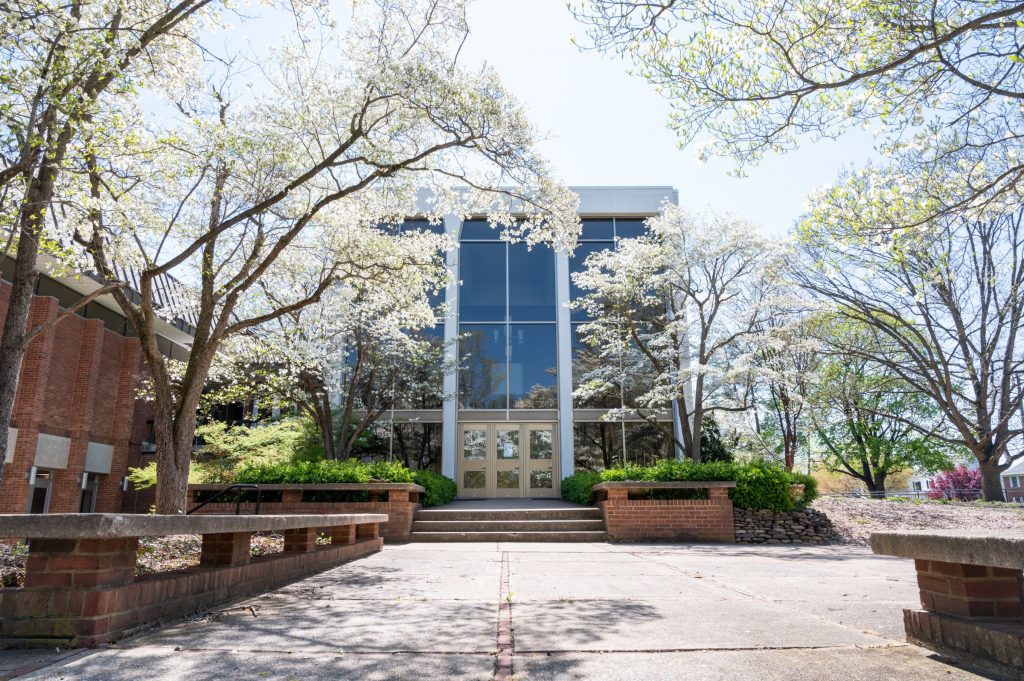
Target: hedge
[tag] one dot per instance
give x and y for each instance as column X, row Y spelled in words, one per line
column 438, row 490
column 759, row 485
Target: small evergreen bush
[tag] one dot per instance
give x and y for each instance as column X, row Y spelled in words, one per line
column 759, row 485
column 391, row 471
column 305, row 472
column 762, row 486
column 810, row 484
column 438, row 490
column 577, row 488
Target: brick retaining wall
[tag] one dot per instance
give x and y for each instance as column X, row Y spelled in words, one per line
column 83, row 592
column 398, row 504
column 628, row 519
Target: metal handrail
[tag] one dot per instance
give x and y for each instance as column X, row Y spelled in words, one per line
column 238, row 501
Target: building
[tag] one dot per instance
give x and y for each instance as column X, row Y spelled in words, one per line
column 504, row 423
column 77, row 423
column 1013, row 482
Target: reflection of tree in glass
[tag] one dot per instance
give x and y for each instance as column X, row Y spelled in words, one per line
column 481, row 376
column 418, row 445
column 598, row 445
column 474, row 445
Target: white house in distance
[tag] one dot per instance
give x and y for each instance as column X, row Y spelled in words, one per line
column 1013, row 482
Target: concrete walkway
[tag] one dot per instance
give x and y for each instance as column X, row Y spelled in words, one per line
column 577, row 611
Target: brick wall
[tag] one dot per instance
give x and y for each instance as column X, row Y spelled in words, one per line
column 84, row 593
column 708, row 519
column 971, row 612
column 77, row 381
column 399, row 509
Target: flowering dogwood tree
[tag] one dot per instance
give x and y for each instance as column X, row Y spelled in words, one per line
column 263, row 205
column 61, row 65
column 941, row 82
column 667, row 308
column 348, row 358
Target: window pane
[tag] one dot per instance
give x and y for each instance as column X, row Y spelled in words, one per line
column 540, row 444
column 630, row 228
column 646, row 444
column 596, row 229
column 508, row 479
column 482, row 292
column 532, row 362
column 508, row 444
column 480, row 229
column 422, row 386
column 577, row 263
column 474, row 445
column 531, row 276
column 482, row 377
column 586, row 366
column 597, row 446
column 418, row 445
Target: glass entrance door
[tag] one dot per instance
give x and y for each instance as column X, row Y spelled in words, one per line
column 473, row 478
column 541, row 480
column 507, row 460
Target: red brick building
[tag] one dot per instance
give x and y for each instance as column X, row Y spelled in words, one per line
column 77, row 423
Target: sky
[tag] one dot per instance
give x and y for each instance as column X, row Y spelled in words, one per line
column 602, row 126
column 606, row 127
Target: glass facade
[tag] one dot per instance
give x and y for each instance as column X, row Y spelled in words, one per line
column 507, row 308
column 596, row 235
column 491, row 417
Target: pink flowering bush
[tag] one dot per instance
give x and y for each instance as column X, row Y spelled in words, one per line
column 961, row 483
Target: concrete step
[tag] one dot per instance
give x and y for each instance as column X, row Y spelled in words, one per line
column 582, row 513
column 507, row 525
column 588, row 536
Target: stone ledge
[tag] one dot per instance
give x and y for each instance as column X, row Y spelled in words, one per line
column 118, row 525
column 672, row 484
column 318, row 487
column 991, row 548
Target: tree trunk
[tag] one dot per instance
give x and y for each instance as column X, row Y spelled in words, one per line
column 171, row 472
column 789, row 450
column 23, row 283
column 991, row 482
column 695, row 432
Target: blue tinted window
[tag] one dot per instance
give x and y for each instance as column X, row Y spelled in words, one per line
column 482, row 373
column 482, row 293
column 577, row 263
column 531, row 370
column 531, row 277
column 630, row 228
column 599, row 229
column 480, row 230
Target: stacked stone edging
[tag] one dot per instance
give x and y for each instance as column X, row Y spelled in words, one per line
column 809, row 526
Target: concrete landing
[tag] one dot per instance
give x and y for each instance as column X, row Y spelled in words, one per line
column 577, row 612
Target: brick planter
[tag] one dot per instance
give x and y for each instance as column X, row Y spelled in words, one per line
column 399, row 501
column 972, row 594
column 80, row 585
column 641, row 519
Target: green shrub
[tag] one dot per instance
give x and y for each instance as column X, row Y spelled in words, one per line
column 810, row 489
column 762, row 486
column 758, row 484
column 577, row 488
column 391, row 471
column 305, row 472
column 438, row 490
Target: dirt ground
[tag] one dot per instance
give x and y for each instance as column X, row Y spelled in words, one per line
column 856, row 519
